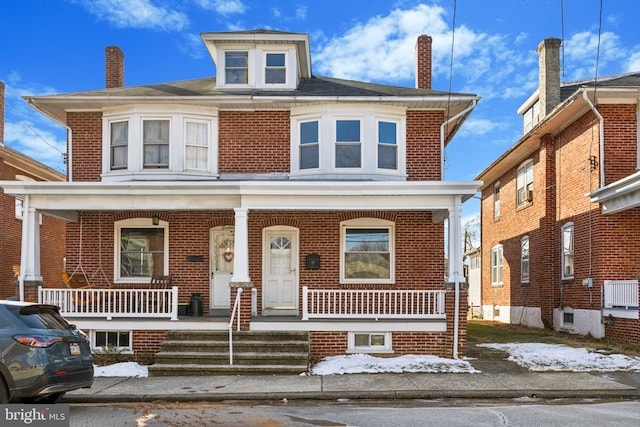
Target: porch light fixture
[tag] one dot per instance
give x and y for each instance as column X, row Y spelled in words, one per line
column 155, row 220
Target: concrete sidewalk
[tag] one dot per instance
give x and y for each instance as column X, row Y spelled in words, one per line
column 353, row 386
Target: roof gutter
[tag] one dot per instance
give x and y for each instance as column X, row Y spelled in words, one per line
column 462, row 113
column 600, row 134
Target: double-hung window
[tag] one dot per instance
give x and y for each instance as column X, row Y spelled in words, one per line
column 155, row 141
column 387, row 145
column 367, row 252
column 236, row 67
column 496, row 201
column 567, row 251
column 275, row 71
column 309, row 145
column 142, row 250
column 196, row 145
column 524, row 183
column 496, row 265
column 524, row 259
column 119, row 145
column 348, row 144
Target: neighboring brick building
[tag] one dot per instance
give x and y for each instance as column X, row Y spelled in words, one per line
column 559, row 209
column 16, row 166
column 323, row 199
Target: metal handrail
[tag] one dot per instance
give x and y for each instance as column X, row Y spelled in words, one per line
column 236, row 307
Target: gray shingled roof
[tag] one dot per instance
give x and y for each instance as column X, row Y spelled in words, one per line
column 618, row 80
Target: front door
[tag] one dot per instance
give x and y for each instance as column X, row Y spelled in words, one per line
column 221, row 244
column 280, row 293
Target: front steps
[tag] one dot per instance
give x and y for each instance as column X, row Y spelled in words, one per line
column 198, row 353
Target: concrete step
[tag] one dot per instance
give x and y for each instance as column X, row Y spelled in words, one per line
column 167, row 369
column 240, row 358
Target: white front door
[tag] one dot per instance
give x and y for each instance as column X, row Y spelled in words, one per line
column 221, row 260
column 280, row 293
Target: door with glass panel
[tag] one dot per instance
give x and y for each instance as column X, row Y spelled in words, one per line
column 280, row 293
column 221, row 261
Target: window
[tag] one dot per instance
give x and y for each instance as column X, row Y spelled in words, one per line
column 369, row 342
column 567, row 251
column 348, row 153
column 141, row 251
column 387, row 146
column 309, row 145
column 531, row 117
column 196, row 145
column 524, row 183
column 119, row 144
column 496, row 265
column 496, row 201
column 524, row 259
column 367, row 251
column 236, row 67
column 155, row 141
column 275, row 71
column 117, row 340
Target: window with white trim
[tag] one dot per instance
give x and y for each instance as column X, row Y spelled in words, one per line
column 496, row 265
column 141, row 250
column 567, row 251
column 348, row 144
column 275, row 71
column 108, row 340
column 524, row 259
column 369, row 342
column 367, row 251
column 155, row 143
column 309, row 145
column 524, row 183
column 236, row 69
column 119, row 144
column 196, row 141
column 387, row 145
column 496, row 200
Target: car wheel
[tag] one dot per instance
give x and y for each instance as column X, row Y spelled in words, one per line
column 52, row 398
column 4, row 393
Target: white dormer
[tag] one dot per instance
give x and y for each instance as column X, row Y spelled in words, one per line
column 259, row 59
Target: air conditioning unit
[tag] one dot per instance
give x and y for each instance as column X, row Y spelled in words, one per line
column 529, row 196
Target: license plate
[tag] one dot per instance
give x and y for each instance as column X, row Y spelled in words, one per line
column 74, row 348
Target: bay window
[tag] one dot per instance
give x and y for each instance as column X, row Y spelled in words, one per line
column 387, row 145
column 155, row 141
column 309, row 145
column 196, row 142
column 119, row 144
column 348, row 144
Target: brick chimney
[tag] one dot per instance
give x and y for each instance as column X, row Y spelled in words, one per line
column 1, row 113
column 549, row 75
column 423, row 62
column 114, row 66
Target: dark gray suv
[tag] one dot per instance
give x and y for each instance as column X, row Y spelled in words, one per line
column 42, row 356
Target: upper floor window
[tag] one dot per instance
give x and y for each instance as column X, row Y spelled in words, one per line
column 567, row 251
column 496, row 265
column 155, row 140
column 196, row 142
column 275, row 71
column 142, row 250
column 348, row 144
column 367, row 254
column 236, row 67
column 524, row 259
column 387, row 145
column 531, row 117
column 496, row 200
column 119, row 144
column 331, row 142
column 524, row 184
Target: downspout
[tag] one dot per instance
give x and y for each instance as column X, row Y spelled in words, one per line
column 23, row 249
column 442, row 127
column 69, row 156
column 600, row 136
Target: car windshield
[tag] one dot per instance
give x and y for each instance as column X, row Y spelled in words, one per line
column 39, row 317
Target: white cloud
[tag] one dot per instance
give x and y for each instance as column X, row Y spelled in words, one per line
column 301, row 11
column 478, row 127
column 136, row 14
column 223, row 7
column 192, row 46
column 582, row 50
column 633, row 63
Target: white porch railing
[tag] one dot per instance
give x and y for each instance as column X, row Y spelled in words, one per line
column 110, row 303
column 621, row 294
column 372, row 304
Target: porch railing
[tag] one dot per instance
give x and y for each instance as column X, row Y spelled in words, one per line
column 110, row 303
column 372, row 304
column 621, row 294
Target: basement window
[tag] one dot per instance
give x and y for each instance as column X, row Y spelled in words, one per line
column 369, row 342
column 111, row 341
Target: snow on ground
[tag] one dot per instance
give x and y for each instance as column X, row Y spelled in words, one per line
column 534, row 356
column 556, row 357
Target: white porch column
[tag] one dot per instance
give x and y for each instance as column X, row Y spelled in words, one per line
column 456, row 272
column 30, row 250
column 241, row 256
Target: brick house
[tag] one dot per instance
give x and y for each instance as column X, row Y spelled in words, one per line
column 15, row 166
column 273, row 198
column 559, row 209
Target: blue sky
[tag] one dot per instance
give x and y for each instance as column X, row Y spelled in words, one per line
column 57, row 46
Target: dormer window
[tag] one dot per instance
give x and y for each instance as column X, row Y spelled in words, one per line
column 275, row 70
column 237, row 67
